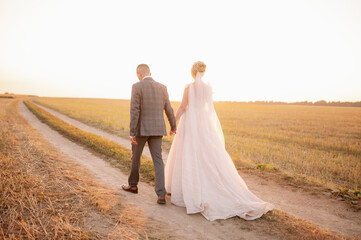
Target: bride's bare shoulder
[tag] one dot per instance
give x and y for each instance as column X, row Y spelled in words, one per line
column 186, row 89
column 187, row 86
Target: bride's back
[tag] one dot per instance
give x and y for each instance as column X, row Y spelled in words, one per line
column 200, row 94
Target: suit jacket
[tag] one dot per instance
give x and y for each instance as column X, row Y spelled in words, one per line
column 149, row 99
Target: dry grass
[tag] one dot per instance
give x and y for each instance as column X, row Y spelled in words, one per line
column 107, row 114
column 43, row 195
column 280, row 225
column 321, row 144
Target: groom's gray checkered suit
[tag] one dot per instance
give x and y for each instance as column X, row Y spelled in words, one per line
column 149, row 100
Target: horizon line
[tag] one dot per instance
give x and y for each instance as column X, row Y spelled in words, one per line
column 238, row 101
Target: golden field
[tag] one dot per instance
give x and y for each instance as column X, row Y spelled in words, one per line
column 322, row 144
column 45, row 195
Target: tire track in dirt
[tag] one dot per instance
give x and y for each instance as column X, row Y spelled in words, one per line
column 122, row 141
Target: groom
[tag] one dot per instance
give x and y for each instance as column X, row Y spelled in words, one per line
column 149, row 99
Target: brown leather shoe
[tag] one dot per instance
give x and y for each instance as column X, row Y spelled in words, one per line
column 128, row 188
column 161, row 200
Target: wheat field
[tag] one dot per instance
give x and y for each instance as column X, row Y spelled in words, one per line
column 322, row 144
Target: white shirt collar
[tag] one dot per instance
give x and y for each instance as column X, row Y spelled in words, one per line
column 146, row 77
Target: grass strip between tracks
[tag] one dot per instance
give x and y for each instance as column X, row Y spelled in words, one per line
column 98, row 144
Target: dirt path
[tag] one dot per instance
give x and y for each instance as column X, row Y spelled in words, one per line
column 187, row 226
column 318, row 209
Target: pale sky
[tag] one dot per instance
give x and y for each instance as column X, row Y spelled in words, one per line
column 280, row 50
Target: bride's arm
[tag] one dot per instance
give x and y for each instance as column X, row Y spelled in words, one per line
column 182, row 108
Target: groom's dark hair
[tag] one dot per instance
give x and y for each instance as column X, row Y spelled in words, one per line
column 143, row 68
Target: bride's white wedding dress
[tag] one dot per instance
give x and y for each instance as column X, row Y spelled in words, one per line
column 199, row 173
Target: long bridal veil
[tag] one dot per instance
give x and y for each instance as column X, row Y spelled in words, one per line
column 199, row 174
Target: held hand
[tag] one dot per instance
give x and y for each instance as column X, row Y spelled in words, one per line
column 172, row 132
column 133, row 141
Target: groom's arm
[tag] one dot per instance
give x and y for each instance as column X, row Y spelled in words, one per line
column 134, row 110
column 169, row 111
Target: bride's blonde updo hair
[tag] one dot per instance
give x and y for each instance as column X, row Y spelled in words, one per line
column 198, row 67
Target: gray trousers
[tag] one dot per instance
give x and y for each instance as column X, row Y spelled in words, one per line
column 155, row 148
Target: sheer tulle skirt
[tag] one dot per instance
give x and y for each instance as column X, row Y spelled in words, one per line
column 201, row 176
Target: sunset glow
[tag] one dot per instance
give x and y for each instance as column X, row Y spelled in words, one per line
column 254, row 50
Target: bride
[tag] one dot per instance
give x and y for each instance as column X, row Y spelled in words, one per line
column 200, row 174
